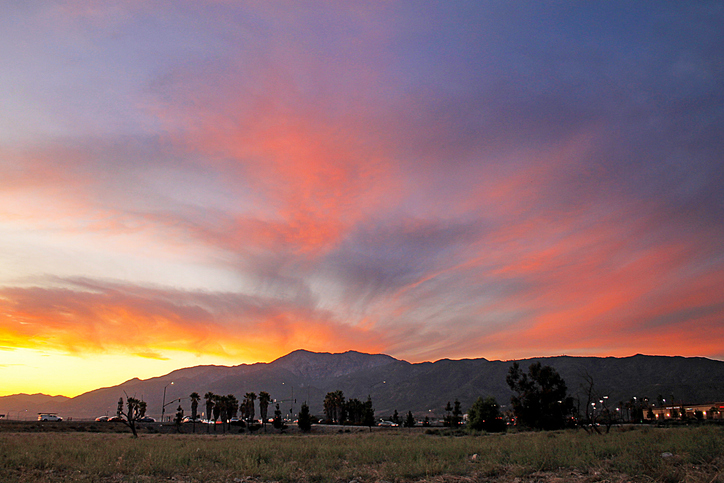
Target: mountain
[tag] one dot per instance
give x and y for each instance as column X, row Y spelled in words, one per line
column 27, row 406
column 424, row 388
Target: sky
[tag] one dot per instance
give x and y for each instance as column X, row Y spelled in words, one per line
column 223, row 182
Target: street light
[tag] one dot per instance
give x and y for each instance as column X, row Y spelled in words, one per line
column 163, row 407
column 17, row 413
column 291, row 400
column 170, row 403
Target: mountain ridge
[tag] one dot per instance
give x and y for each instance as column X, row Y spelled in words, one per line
column 423, row 388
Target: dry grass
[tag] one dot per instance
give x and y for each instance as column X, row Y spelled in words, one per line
column 697, row 454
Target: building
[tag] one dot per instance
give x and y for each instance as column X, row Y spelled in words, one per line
column 714, row 410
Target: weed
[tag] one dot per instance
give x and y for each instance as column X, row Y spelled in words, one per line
column 696, row 455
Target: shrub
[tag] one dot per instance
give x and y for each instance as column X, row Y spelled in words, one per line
column 485, row 415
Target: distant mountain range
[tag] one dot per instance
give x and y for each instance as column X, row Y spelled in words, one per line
column 423, row 388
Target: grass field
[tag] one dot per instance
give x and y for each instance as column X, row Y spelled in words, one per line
column 642, row 454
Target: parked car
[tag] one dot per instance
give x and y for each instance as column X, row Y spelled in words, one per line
column 102, row 419
column 147, row 419
column 387, row 424
column 49, row 417
column 188, row 419
column 115, row 419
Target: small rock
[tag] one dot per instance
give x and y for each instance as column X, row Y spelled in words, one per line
column 666, row 455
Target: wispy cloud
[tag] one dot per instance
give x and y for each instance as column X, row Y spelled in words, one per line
column 243, row 179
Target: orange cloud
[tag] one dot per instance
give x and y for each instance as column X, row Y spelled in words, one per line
column 146, row 322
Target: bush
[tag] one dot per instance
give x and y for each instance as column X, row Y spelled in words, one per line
column 305, row 421
column 485, row 415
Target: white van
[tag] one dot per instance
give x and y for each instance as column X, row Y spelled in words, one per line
column 49, row 417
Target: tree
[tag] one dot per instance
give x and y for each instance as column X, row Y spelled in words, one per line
column 264, row 399
column 217, row 409
column 131, row 414
column 195, row 398
column 590, row 423
column 334, row 407
column 485, row 415
column 456, row 414
column 278, row 422
column 395, row 418
column 249, row 399
column 409, row 420
column 355, row 411
column 305, row 422
column 179, row 417
column 447, row 421
column 540, row 400
column 233, row 407
column 368, row 418
column 222, row 403
column 209, row 398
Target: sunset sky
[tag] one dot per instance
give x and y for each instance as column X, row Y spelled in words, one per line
column 222, row 182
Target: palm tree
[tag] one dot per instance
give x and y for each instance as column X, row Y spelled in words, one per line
column 334, row 406
column 209, row 398
column 264, row 399
column 330, row 409
column 232, row 406
column 195, row 398
column 249, row 398
column 218, row 408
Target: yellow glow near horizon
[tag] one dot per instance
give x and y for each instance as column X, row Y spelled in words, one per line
column 54, row 373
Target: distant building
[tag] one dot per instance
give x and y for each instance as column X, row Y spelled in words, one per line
column 714, row 410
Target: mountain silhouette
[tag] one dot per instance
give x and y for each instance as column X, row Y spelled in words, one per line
column 423, row 388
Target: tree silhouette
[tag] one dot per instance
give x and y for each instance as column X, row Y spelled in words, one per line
column 131, row 414
column 232, row 406
column 222, row 403
column 355, row 411
column 590, row 424
column 368, row 418
column 304, row 422
column 209, row 398
column 179, row 418
column 195, row 398
column 278, row 422
column 540, row 400
column 334, row 407
column 395, row 417
column 485, row 415
column 217, row 409
column 264, row 399
column 456, row 414
column 249, row 399
column 448, row 414
column 409, row 420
